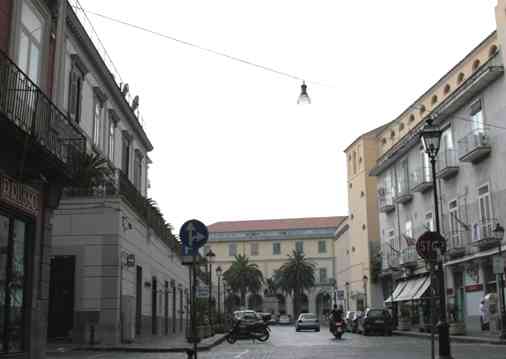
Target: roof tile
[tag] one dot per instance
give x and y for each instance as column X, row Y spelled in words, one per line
column 276, row 224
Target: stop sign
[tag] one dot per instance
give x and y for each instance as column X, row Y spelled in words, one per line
column 428, row 244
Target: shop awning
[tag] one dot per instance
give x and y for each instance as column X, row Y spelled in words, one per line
column 412, row 288
column 398, row 290
column 423, row 288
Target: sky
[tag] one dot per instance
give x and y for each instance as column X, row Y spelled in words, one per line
column 230, row 141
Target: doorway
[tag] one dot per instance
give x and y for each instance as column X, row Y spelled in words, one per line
column 61, row 297
column 138, row 301
column 166, row 294
column 154, row 294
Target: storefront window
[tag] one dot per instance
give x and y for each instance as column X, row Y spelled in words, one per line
column 12, row 279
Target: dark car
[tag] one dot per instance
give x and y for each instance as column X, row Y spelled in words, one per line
column 376, row 321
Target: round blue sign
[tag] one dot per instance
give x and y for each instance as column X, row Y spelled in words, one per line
column 193, row 234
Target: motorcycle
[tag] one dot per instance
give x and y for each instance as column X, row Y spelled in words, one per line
column 258, row 331
column 337, row 329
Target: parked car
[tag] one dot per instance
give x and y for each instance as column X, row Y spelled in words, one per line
column 348, row 319
column 376, row 320
column 247, row 316
column 284, row 319
column 307, row 321
column 355, row 319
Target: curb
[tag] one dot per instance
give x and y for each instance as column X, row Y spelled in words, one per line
column 139, row 349
column 455, row 339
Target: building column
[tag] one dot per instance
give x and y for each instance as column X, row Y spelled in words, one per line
column 289, row 305
column 311, row 298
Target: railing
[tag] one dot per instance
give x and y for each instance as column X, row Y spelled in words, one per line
column 421, row 178
column 475, row 145
column 446, row 159
column 409, row 255
column 26, row 106
column 385, row 201
column 403, row 191
column 483, row 231
column 458, row 239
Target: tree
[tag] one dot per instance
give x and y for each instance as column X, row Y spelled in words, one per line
column 243, row 277
column 295, row 276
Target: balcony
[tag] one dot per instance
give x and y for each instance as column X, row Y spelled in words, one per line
column 403, row 194
column 447, row 165
column 456, row 243
column 390, row 260
column 475, row 146
column 409, row 257
column 421, row 179
column 385, row 201
column 482, row 234
column 29, row 120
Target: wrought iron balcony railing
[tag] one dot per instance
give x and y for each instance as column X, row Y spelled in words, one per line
column 421, row 179
column 474, row 146
column 385, row 201
column 403, row 194
column 482, row 234
column 447, row 164
column 24, row 104
column 409, row 257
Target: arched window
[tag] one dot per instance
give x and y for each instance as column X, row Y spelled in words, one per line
column 461, row 77
column 411, row 118
column 401, row 126
column 476, row 64
column 492, row 51
column 434, row 100
column 392, row 134
column 447, row 89
column 383, row 141
column 422, row 109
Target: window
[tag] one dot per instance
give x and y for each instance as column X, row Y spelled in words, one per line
column 447, row 140
column 13, row 240
column 299, row 246
column 477, row 117
column 97, row 122
column 111, row 133
column 30, row 41
column 429, row 222
column 426, row 171
column 276, row 249
column 390, row 239
column 485, row 204
column 232, row 249
column 323, row 275
column 138, row 169
column 322, row 247
column 77, row 73
column 125, row 152
column 254, row 249
column 408, row 233
column 402, row 183
column 453, row 211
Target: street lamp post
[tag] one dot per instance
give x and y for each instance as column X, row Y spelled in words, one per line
column 347, row 285
column 431, row 140
column 210, row 255
column 365, row 280
column 499, row 235
column 218, row 275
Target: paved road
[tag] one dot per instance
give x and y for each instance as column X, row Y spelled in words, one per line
column 285, row 343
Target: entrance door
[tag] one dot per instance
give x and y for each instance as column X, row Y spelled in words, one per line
column 138, row 301
column 61, row 297
column 154, row 294
column 166, row 309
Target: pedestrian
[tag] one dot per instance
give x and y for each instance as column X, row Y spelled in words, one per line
column 484, row 318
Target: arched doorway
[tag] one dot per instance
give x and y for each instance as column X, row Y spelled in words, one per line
column 323, row 304
column 281, row 304
column 303, row 305
column 255, row 302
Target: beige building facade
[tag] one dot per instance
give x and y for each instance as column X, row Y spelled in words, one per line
column 268, row 243
column 362, row 235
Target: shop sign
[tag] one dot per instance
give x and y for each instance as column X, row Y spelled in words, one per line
column 474, row 288
column 20, row 195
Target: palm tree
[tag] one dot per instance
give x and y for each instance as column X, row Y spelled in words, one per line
column 243, row 277
column 271, row 287
column 295, row 276
column 90, row 170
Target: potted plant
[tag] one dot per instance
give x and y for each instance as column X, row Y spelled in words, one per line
column 457, row 327
column 404, row 319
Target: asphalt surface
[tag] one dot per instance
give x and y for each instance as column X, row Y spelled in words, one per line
column 285, row 343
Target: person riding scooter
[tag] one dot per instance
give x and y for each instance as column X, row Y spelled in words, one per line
column 336, row 315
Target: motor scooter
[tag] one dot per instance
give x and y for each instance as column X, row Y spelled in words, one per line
column 257, row 331
column 337, row 329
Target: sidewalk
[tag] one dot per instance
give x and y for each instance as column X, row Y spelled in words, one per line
column 177, row 344
column 473, row 338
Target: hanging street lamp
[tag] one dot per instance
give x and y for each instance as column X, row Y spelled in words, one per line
column 303, row 97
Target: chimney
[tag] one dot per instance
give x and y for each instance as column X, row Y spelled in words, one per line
column 500, row 19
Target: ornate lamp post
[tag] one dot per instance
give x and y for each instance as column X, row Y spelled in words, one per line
column 365, row 281
column 431, row 140
column 347, row 285
column 210, row 255
column 499, row 235
column 218, row 275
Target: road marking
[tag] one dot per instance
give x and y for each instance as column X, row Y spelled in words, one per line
column 241, row 354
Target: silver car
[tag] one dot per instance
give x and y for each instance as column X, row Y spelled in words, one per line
column 307, row 321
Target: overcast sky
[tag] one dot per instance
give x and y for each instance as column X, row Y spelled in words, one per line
column 230, row 141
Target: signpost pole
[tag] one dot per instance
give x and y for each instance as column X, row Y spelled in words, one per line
column 194, row 309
